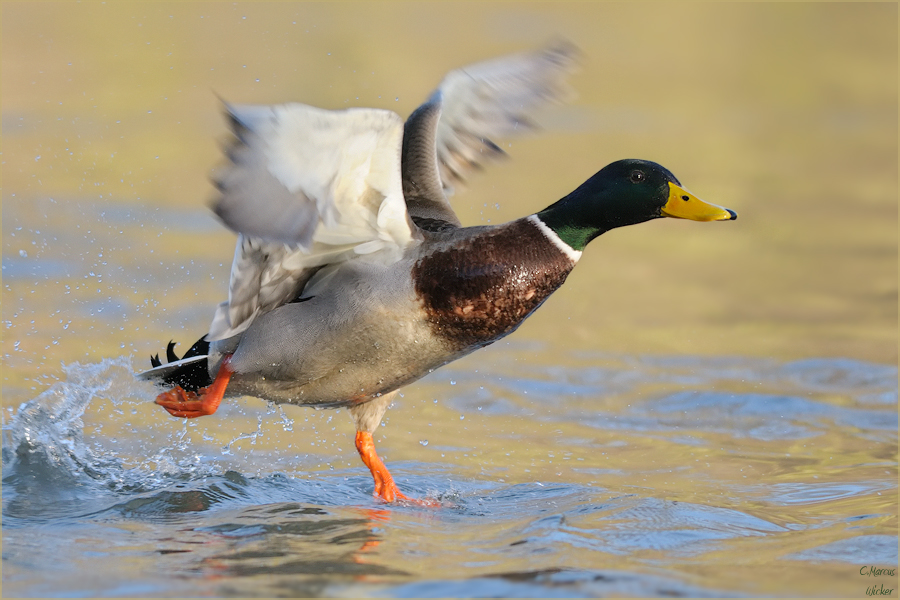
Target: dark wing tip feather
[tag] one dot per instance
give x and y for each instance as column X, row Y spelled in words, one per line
column 562, row 51
column 240, row 129
column 494, row 148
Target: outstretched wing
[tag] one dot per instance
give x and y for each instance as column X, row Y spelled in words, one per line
column 306, row 187
column 451, row 135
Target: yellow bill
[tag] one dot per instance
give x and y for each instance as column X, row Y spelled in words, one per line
column 684, row 205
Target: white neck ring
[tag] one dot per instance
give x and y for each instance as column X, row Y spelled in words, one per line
column 570, row 252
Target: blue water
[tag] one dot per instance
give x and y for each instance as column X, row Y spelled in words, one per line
column 124, row 508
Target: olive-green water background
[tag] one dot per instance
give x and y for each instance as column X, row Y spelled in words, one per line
column 786, row 113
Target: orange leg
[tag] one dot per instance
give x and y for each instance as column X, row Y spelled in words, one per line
column 180, row 403
column 385, row 488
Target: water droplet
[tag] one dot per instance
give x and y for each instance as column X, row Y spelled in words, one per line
column 23, row 254
column 423, row 442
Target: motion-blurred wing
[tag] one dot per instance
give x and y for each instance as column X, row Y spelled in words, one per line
column 496, row 99
column 306, row 187
column 452, row 133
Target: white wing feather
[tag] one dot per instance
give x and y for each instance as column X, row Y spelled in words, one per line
column 306, row 187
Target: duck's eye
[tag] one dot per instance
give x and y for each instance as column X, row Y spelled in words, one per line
column 637, row 176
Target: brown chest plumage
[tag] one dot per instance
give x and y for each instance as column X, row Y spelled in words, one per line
column 483, row 287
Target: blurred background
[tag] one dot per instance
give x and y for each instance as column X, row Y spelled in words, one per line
column 784, row 112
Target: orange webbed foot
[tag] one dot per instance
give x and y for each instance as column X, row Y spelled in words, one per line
column 390, row 493
column 385, row 488
column 181, row 403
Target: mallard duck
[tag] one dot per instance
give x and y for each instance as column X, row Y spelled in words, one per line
column 353, row 277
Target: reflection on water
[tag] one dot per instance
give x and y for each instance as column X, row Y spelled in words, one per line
column 615, row 501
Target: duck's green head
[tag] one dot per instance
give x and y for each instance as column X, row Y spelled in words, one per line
column 625, row 192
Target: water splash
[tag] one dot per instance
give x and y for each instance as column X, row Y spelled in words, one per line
column 48, row 465
column 47, row 433
column 74, row 445
column 252, row 436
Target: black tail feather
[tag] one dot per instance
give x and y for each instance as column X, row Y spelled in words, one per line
column 200, row 348
column 170, row 352
column 190, row 377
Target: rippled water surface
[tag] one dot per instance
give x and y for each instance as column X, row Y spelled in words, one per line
column 641, row 475
column 702, row 410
